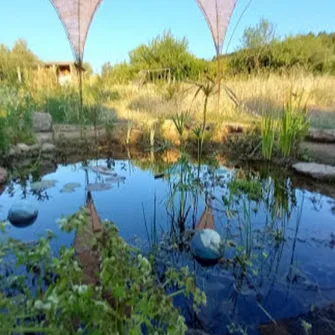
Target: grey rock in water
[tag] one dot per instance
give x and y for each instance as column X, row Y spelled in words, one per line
column 70, row 187
column 315, row 170
column 42, row 185
column 206, row 245
column 42, row 122
column 116, row 179
column 3, row 176
column 98, row 187
column 22, row 214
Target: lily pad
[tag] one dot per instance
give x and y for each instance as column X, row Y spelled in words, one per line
column 98, row 187
column 70, row 187
column 116, row 179
column 42, row 185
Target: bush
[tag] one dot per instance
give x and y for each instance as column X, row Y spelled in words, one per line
column 51, row 295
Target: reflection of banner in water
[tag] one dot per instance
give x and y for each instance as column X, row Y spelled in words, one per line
column 94, row 217
column 207, row 219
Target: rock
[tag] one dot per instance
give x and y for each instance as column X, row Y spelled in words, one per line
column 14, row 151
column 3, row 176
column 42, row 138
column 98, row 187
column 316, row 171
column 42, row 185
column 103, row 170
column 321, row 135
column 206, row 245
column 42, row 122
column 48, row 148
column 70, row 187
column 116, row 179
column 23, row 148
column 22, row 214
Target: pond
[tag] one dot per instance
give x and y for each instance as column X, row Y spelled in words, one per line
column 278, row 232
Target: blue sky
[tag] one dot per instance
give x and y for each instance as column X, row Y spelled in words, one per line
column 121, row 25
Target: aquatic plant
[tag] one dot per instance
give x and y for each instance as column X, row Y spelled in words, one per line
column 293, row 127
column 268, row 132
column 52, row 295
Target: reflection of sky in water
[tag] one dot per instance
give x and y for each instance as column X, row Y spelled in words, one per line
column 308, row 251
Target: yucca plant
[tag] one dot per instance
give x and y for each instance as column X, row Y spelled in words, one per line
column 208, row 88
column 268, row 136
column 179, row 120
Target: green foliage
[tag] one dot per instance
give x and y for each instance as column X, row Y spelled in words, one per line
column 128, row 300
column 312, row 53
column 259, row 36
column 19, row 58
column 163, row 52
column 268, row 136
column 16, row 106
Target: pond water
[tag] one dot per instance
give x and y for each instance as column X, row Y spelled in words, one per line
column 279, row 236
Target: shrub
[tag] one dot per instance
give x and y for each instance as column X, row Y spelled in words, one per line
column 50, row 295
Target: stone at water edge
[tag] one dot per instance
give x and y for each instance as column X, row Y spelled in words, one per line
column 3, row 176
column 42, row 122
column 206, row 245
column 48, row 148
column 22, row 214
column 315, row 170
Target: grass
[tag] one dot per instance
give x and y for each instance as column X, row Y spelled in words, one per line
column 145, row 106
column 257, row 95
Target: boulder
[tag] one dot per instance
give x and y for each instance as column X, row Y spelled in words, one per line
column 206, row 245
column 22, row 214
column 315, row 170
column 48, row 148
column 42, row 122
column 3, row 176
column 23, row 148
column 321, row 135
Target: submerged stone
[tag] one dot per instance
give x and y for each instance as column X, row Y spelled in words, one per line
column 22, row 214
column 42, row 185
column 98, row 187
column 102, row 170
column 206, row 245
column 70, row 187
column 116, row 179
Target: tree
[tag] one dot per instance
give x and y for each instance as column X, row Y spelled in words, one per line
column 166, row 51
column 259, row 36
column 257, row 39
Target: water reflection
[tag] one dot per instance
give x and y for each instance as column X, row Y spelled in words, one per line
column 278, row 234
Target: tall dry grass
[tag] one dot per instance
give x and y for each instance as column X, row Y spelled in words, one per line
column 258, row 96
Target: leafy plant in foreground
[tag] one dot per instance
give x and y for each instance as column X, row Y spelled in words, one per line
column 52, row 295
